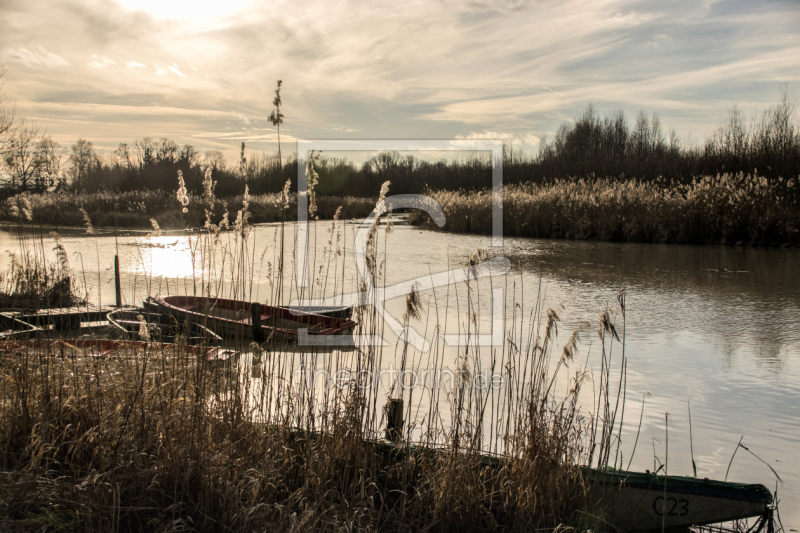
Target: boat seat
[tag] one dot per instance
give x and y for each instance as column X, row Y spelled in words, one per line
column 264, row 318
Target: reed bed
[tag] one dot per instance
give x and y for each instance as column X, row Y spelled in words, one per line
column 741, row 209
column 34, row 282
column 135, row 209
column 160, row 439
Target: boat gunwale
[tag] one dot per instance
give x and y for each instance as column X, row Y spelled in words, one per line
column 334, row 325
column 114, row 320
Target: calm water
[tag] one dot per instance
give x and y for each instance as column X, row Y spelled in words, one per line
column 715, row 327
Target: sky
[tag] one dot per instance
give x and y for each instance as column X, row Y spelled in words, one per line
column 204, row 73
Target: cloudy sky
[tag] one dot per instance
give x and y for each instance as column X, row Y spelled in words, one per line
column 204, row 73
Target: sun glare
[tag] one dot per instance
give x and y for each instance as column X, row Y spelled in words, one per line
column 180, row 9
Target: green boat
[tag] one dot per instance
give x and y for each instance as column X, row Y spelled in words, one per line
column 639, row 502
column 636, row 501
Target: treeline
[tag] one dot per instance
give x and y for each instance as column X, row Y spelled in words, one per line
column 590, row 147
column 599, row 147
column 150, row 164
column 36, row 165
column 768, row 144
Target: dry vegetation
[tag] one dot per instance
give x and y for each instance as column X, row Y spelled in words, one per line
column 135, row 209
column 723, row 209
column 33, row 282
column 157, row 439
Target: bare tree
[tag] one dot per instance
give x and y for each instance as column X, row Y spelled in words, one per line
column 123, row 153
column 20, row 160
column 215, row 159
column 640, row 139
column 82, row 159
column 7, row 122
column 167, row 150
column 145, row 150
column 188, row 155
column 657, row 142
column 51, row 156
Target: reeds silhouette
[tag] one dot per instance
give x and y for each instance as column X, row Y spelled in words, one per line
column 742, row 209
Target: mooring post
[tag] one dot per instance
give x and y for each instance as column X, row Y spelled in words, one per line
column 255, row 322
column 394, row 420
column 117, row 284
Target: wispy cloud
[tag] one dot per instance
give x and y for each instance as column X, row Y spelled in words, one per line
column 97, row 61
column 174, row 69
column 248, row 136
column 34, row 57
column 107, row 109
column 505, row 69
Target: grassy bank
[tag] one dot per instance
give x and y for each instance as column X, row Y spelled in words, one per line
column 723, row 209
column 158, row 439
column 135, row 209
column 33, row 282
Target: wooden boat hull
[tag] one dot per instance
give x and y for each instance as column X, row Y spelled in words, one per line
column 14, row 328
column 639, row 502
column 343, row 312
column 232, row 318
column 161, row 328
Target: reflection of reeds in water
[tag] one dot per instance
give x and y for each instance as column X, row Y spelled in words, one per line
column 160, row 439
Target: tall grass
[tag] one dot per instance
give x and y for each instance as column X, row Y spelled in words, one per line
column 723, row 209
column 158, row 438
column 33, row 282
column 135, row 209
column 155, row 439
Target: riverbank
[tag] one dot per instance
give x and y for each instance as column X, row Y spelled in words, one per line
column 135, row 209
column 123, row 443
column 740, row 209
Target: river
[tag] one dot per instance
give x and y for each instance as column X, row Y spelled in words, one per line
column 711, row 328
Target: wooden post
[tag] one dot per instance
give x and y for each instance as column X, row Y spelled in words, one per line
column 394, row 420
column 255, row 322
column 117, row 284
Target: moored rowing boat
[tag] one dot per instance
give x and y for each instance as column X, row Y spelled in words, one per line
column 138, row 323
column 636, row 501
column 234, row 318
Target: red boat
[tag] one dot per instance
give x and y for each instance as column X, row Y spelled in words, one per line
column 234, row 318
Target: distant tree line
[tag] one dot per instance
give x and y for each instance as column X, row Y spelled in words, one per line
column 592, row 145
column 610, row 147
